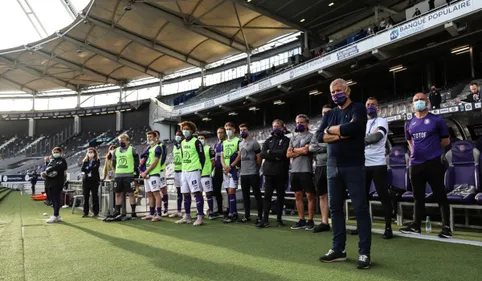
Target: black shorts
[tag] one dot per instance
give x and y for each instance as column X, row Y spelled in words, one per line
column 321, row 180
column 124, row 185
column 302, row 182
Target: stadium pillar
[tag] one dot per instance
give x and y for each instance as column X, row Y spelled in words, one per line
column 203, row 77
column 248, row 60
column 160, row 84
column 375, row 9
column 33, row 100
column 78, row 99
column 264, row 117
column 472, row 67
column 76, row 124
column 118, row 120
column 31, row 127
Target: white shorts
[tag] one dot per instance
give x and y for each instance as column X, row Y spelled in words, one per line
column 152, row 184
column 191, row 182
column 229, row 182
column 207, row 184
column 163, row 179
column 177, row 179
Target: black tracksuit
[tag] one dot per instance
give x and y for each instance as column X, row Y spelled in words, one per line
column 275, row 171
column 55, row 181
column 90, row 184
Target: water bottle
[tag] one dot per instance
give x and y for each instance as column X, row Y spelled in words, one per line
column 428, row 225
column 284, row 210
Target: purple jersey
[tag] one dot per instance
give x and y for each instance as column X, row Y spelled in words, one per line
column 425, row 134
column 218, row 148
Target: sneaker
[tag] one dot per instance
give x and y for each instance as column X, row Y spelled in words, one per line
column 334, row 256
column 133, row 216
column 85, row 216
column 363, row 262
column 245, row 220
column 411, row 229
column 446, row 232
column 229, row 219
column 301, row 224
column 175, row 215
column 258, row 220
column 147, row 218
column 310, row 225
column 199, row 221
column 156, row 218
column 212, row 217
column 52, row 219
column 184, row 220
column 281, row 223
column 59, row 219
column 165, row 214
column 262, row 224
column 95, row 216
column 321, row 227
column 388, row 234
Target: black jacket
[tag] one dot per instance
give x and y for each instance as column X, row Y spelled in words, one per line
column 56, row 172
column 274, row 153
column 92, row 169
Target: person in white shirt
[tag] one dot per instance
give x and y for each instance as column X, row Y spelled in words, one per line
column 375, row 162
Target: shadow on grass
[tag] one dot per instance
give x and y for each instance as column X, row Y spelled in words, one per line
column 182, row 264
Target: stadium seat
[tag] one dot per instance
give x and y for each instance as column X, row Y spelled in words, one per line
column 397, row 164
column 462, row 176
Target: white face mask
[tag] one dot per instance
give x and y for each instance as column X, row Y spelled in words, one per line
column 91, row 155
column 112, row 151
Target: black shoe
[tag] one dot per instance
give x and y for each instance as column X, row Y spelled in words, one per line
column 388, row 234
column 85, row 215
column 258, row 220
column 354, row 232
column 411, row 229
column 301, row 224
column 310, row 225
column 321, row 227
column 133, row 215
column 212, row 217
column 363, row 262
column 245, row 220
column 95, row 216
column 334, row 256
column 262, row 224
column 446, row 232
column 229, row 219
column 281, row 223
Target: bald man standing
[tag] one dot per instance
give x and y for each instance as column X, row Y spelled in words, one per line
column 427, row 134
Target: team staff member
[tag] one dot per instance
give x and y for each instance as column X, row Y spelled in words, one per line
column 231, row 157
column 54, row 176
column 427, row 135
column 90, row 182
column 125, row 160
column 375, row 162
column 206, row 181
column 250, row 164
column 192, row 164
column 321, row 181
column 152, row 177
column 218, row 172
column 275, row 170
column 343, row 128
column 177, row 156
column 302, row 172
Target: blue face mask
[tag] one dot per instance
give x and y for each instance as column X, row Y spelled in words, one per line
column 56, row 155
column 419, row 105
column 371, row 110
column 201, row 141
column 229, row 133
column 186, row 133
column 178, row 138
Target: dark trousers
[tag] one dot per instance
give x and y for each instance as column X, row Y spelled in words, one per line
column 249, row 182
column 379, row 175
column 430, row 172
column 55, row 195
column 33, row 188
column 48, row 192
column 87, row 188
column 272, row 183
column 217, row 187
column 353, row 180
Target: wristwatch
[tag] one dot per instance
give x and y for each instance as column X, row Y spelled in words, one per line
column 327, row 130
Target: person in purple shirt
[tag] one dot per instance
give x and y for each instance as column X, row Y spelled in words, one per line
column 218, row 172
column 427, row 134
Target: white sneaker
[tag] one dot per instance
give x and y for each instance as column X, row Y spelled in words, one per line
column 175, row 215
column 184, row 220
column 199, row 221
column 164, row 214
column 52, row 219
column 59, row 219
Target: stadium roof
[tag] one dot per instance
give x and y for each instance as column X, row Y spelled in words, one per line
column 116, row 41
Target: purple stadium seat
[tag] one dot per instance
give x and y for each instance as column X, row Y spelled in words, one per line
column 397, row 163
column 462, row 176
